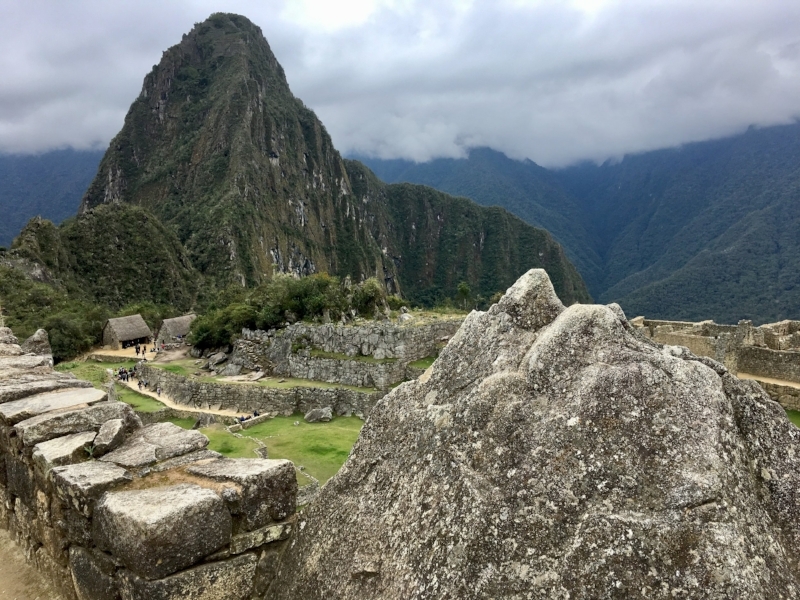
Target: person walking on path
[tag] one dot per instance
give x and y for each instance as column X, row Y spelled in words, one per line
column 158, row 391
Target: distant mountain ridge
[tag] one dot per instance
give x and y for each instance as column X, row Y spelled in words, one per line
column 50, row 185
column 240, row 180
column 708, row 230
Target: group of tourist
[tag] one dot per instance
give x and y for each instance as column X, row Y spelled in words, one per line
column 124, row 374
column 244, row 418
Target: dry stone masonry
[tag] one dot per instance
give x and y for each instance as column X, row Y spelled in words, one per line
column 770, row 354
column 110, row 509
column 556, row 453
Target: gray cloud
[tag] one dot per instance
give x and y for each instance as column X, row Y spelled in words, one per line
column 539, row 79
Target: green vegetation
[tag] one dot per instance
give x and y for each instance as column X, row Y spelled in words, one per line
column 222, row 441
column 321, row 448
column 794, row 416
column 97, row 374
column 139, row 402
column 184, row 422
column 210, row 208
column 705, row 231
column 49, row 184
column 423, row 363
column 284, row 299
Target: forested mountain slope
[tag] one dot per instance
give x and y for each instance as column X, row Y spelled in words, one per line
column 49, row 185
column 708, row 230
column 238, row 179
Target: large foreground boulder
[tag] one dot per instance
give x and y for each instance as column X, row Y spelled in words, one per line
column 552, row 453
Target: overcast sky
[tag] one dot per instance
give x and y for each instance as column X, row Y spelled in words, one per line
column 555, row 82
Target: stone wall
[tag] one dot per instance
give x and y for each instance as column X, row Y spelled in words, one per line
column 770, row 351
column 109, row 509
column 407, row 341
column 246, row 397
column 349, row 372
column 788, row 397
column 775, row 364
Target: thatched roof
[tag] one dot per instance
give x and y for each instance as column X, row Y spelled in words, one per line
column 129, row 328
column 176, row 326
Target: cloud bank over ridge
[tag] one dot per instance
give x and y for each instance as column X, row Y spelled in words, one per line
column 555, row 82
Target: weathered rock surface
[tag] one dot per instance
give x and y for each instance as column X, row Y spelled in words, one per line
column 82, row 484
column 260, row 490
column 92, row 574
column 318, row 415
column 30, row 384
column 109, row 437
column 155, row 442
column 230, row 580
column 62, row 451
column 553, row 453
column 48, row 426
column 158, row 531
column 13, row 412
column 38, row 343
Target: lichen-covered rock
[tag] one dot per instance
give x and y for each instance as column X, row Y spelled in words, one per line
column 317, row 415
column 231, row 579
column 158, row 531
column 155, row 442
column 82, row 484
column 258, row 491
column 553, row 453
column 38, row 343
column 62, row 451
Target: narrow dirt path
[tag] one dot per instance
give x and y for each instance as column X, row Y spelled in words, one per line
column 169, row 402
column 792, row 384
column 19, row 580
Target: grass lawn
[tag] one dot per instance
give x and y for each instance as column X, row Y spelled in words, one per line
column 339, row 356
column 229, row 445
column 186, row 422
column 139, row 402
column 321, row 448
column 94, row 372
column 794, row 416
column 423, row 363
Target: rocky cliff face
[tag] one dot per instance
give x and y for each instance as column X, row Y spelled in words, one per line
column 553, row 453
column 220, row 151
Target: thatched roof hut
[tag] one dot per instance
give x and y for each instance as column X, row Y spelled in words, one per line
column 175, row 329
column 126, row 331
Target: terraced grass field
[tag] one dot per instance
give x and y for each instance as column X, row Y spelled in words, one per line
column 794, row 416
column 321, row 448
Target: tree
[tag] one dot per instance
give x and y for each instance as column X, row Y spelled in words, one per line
column 464, row 293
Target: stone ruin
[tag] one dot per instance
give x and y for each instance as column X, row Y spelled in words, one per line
column 769, row 354
column 557, row 453
column 109, row 509
column 549, row 452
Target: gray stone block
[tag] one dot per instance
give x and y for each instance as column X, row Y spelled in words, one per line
column 230, row 579
column 318, row 415
column 152, row 443
column 260, row 491
column 62, row 451
column 159, row 531
column 253, row 539
column 51, row 425
column 13, row 412
column 109, row 437
column 81, row 485
column 92, row 575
